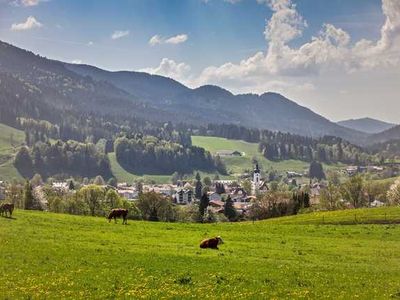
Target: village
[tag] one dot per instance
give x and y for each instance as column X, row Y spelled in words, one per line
column 242, row 193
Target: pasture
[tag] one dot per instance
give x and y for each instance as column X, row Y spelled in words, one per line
column 239, row 164
column 46, row 255
column 10, row 140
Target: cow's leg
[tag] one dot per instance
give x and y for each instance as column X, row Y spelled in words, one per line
column 115, row 219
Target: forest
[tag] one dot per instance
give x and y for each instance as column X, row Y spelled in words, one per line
column 62, row 158
column 155, row 156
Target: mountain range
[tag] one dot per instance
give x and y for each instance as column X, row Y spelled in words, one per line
column 367, row 125
column 58, row 87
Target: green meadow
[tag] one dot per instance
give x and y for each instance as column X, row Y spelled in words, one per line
column 237, row 165
column 10, row 140
column 55, row 256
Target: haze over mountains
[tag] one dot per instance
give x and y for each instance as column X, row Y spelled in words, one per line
column 59, row 87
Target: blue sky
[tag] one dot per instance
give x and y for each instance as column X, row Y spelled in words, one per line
column 200, row 42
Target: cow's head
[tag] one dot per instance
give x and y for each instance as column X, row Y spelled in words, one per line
column 220, row 240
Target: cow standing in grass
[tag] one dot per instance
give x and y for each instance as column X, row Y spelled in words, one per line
column 117, row 213
column 6, row 208
column 211, row 243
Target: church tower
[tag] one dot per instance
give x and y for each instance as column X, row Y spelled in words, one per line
column 256, row 179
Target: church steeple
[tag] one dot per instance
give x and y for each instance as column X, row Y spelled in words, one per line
column 256, row 179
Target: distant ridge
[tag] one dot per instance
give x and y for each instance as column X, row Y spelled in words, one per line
column 58, row 87
column 367, row 125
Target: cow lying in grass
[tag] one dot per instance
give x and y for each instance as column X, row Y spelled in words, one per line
column 117, row 213
column 211, row 243
column 6, row 208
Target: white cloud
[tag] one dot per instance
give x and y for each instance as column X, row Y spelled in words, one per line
column 90, row 43
column 26, row 3
column 76, row 61
column 329, row 51
column 177, row 39
column 170, row 68
column 119, row 34
column 30, row 23
column 155, row 40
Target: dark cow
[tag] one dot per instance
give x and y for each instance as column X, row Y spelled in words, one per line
column 6, row 208
column 117, row 213
column 211, row 243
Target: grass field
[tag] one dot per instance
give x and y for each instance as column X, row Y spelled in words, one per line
column 54, row 256
column 240, row 164
column 10, row 140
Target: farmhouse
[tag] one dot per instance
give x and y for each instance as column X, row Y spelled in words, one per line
column 227, row 153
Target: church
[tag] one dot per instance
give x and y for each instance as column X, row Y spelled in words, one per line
column 258, row 186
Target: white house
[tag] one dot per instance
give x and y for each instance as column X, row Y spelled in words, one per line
column 183, row 196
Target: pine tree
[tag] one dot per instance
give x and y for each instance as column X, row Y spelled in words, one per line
column 199, row 186
column 204, row 202
column 28, row 196
column 229, row 210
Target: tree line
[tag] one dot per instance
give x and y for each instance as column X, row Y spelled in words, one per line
column 150, row 155
column 62, row 158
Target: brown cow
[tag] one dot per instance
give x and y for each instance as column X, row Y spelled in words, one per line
column 118, row 212
column 211, row 243
column 6, row 207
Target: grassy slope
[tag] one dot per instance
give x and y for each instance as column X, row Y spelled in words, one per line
column 58, row 256
column 8, row 148
column 240, row 164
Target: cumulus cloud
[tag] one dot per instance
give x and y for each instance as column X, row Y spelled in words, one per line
column 30, row 23
column 170, row 68
column 330, row 50
column 26, row 3
column 177, row 39
column 119, row 34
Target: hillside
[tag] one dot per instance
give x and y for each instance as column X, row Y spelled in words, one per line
column 60, row 88
column 241, row 164
column 367, row 125
column 65, row 256
column 213, row 104
column 10, row 140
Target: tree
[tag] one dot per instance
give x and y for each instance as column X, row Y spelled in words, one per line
column 113, row 200
column 199, row 186
column 204, row 202
column 23, row 162
column 112, row 182
column 353, row 191
column 29, row 200
column 207, row 181
column 36, row 180
column 393, row 195
column 155, row 207
column 229, row 210
column 246, row 185
column 316, row 170
column 15, row 194
column 330, row 196
column 71, row 185
column 99, row 180
column 139, row 187
column 93, row 196
column 175, row 178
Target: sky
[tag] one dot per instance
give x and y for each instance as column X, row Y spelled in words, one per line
column 340, row 58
